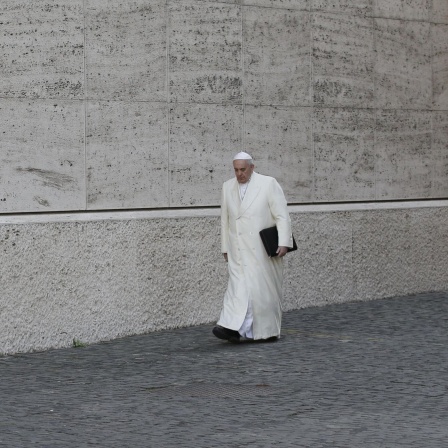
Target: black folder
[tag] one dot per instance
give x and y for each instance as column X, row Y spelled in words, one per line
column 269, row 237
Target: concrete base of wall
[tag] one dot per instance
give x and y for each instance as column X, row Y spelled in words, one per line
column 95, row 277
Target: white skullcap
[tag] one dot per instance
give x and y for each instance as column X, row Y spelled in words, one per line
column 243, row 156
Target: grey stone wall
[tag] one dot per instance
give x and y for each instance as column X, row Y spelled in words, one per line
column 100, row 276
column 141, row 104
column 109, row 105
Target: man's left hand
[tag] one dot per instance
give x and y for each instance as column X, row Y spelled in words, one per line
column 282, row 251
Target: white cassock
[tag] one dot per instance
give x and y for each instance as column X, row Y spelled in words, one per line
column 252, row 302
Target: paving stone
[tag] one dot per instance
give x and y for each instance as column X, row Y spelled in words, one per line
column 359, row 374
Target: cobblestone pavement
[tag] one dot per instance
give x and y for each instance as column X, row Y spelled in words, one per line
column 371, row 374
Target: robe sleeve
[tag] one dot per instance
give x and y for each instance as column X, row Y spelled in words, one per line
column 279, row 211
column 224, row 223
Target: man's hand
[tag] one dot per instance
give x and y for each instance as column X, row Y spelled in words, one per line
column 282, row 251
column 225, row 257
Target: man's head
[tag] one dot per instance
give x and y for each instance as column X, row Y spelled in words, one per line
column 243, row 166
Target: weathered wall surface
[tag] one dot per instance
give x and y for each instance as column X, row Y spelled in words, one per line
column 122, row 105
column 103, row 277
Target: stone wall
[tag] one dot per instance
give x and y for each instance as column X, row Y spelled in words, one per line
column 139, row 106
column 108, row 104
column 100, row 276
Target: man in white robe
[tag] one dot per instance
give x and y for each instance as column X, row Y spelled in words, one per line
column 252, row 303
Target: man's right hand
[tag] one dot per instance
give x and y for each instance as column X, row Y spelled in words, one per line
column 225, row 257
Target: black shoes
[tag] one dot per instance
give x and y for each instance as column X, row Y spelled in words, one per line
column 234, row 336
column 225, row 333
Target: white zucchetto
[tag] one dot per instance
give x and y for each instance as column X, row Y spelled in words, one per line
column 243, row 156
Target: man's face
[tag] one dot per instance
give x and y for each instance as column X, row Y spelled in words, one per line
column 243, row 170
